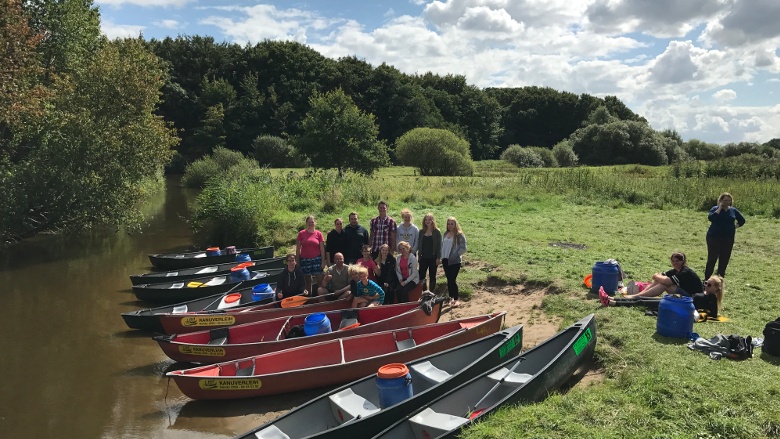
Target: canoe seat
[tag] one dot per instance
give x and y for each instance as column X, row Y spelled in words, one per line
column 428, row 423
column 347, row 405
column 218, row 336
column 514, row 379
column 219, row 280
column 207, row 270
column 271, row 432
column 179, row 309
column 171, row 274
column 430, row 373
column 246, row 371
column 348, row 322
column 177, row 285
column 403, row 345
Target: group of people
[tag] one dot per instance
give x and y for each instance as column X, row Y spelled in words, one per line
column 378, row 265
column 681, row 279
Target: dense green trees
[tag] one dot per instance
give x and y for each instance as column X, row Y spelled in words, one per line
column 336, row 134
column 86, row 139
column 435, row 152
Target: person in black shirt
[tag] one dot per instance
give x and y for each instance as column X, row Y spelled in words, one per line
column 336, row 242
column 291, row 280
column 356, row 237
column 679, row 280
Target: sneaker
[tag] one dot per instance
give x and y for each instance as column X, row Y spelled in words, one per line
column 632, row 288
column 603, row 297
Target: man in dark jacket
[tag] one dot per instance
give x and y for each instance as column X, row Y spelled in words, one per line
column 356, row 237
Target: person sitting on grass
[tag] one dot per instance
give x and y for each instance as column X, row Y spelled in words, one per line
column 367, row 292
column 681, row 280
column 709, row 301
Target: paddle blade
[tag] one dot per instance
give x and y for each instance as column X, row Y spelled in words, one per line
column 291, row 302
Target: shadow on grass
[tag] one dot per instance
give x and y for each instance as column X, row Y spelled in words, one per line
column 770, row 359
column 668, row 340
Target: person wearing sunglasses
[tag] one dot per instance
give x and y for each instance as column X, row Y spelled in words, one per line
column 710, row 301
column 681, row 279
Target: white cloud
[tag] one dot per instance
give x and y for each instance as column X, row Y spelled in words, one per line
column 113, row 31
column 660, row 18
column 167, row 24
column 675, row 65
column 145, row 3
column 389, row 13
column 743, row 23
column 725, row 95
column 484, row 19
column 418, row 2
column 266, row 22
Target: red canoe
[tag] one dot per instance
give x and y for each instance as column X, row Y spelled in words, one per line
column 330, row 362
column 182, row 323
column 230, row 343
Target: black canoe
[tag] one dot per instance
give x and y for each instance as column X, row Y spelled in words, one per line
column 206, row 270
column 175, row 261
column 172, row 292
column 352, row 411
column 527, row 378
column 148, row 319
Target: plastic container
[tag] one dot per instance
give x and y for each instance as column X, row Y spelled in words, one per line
column 243, row 257
column 229, row 301
column 230, row 250
column 213, row 251
column 394, row 383
column 772, row 338
column 606, row 275
column 675, row 316
column 238, row 274
column 246, row 264
column 262, row 292
column 316, row 323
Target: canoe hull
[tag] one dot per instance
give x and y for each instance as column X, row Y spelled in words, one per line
column 175, row 261
column 186, row 323
column 322, row 418
column 242, row 340
column 200, row 271
column 173, row 292
column 301, row 368
column 528, row 378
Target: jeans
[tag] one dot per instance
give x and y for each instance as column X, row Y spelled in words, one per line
column 718, row 249
column 428, row 265
column 451, row 271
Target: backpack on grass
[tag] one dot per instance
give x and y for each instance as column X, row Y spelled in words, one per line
column 772, row 338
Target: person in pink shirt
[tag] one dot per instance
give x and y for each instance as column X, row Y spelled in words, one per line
column 310, row 251
column 366, row 261
column 406, row 270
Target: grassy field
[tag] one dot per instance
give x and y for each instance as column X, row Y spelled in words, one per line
column 548, row 227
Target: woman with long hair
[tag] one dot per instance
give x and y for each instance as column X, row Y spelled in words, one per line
column 406, row 270
column 429, row 250
column 453, row 246
column 310, row 251
column 385, row 262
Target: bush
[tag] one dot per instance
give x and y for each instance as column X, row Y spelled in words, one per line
column 435, row 152
column 546, row 155
column 698, row 150
column 565, row 155
column 745, row 166
column 522, row 157
column 273, row 151
column 220, row 163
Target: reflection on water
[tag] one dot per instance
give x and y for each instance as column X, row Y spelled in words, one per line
column 71, row 368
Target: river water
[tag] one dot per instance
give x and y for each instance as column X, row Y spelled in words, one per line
column 72, row 369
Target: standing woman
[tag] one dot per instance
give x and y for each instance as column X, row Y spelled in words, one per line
column 724, row 220
column 453, row 245
column 406, row 270
column 310, row 251
column 387, row 277
column 429, row 251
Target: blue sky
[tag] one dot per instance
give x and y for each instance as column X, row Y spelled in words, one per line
column 709, row 69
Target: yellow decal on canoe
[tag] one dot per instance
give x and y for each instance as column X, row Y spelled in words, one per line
column 230, row 384
column 208, row 351
column 208, row 321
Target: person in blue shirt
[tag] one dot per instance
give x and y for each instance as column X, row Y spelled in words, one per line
column 724, row 221
column 367, row 292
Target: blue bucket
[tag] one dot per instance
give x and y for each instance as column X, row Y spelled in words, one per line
column 262, row 292
column 238, row 274
column 316, row 323
column 243, row 257
column 605, row 275
column 675, row 317
column 394, row 383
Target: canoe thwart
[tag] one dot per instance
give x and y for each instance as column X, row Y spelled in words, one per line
column 347, row 405
column 430, row 373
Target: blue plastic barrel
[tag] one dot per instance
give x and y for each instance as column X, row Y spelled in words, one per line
column 213, row 251
column 243, row 257
column 394, row 383
column 238, row 274
column 675, row 316
column 262, row 292
column 607, row 275
column 316, row 323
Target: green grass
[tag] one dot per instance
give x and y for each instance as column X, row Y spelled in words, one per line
column 515, row 222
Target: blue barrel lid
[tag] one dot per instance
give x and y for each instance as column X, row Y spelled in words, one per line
column 315, row 317
column 243, row 257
